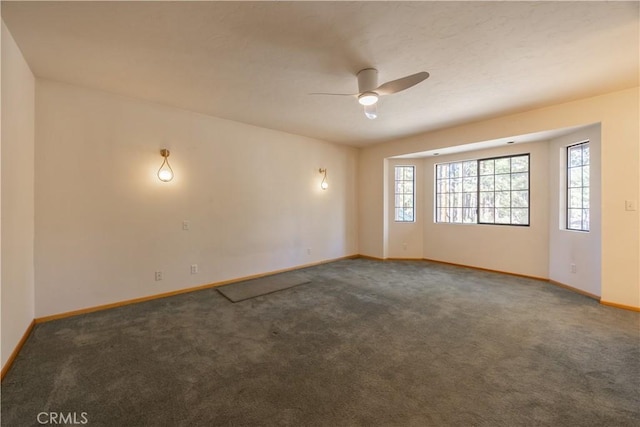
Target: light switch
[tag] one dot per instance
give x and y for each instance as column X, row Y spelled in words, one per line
column 185, row 225
column 630, row 205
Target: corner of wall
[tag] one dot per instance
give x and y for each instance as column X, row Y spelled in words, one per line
column 17, row 196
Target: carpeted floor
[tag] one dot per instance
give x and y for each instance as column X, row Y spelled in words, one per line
column 365, row 343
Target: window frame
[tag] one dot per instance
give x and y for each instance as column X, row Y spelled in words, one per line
column 462, row 177
column 510, row 156
column 477, row 192
column 567, row 204
column 403, row 194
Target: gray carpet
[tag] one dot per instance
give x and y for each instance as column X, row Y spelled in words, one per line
column 367, row 343
column 248, row 289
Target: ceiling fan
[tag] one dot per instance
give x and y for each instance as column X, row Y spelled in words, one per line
column 369, row 91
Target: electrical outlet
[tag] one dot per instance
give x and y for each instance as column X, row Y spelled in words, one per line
column 158, row 276
column 185, row 225
column 404, row 246
column 308, row 251
column 630, row 205
column 194, row 268
column 573, row 268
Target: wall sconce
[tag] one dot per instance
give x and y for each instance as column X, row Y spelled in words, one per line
column 165, row 173
column 324, row 185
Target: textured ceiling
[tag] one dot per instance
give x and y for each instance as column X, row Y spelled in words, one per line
column 257, row 62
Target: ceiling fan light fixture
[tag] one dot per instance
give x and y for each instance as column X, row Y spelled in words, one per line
column 369, row 91
column 368, row 98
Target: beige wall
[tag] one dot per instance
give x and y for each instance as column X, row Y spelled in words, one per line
column 618, row 114
column 405, row 239
column 105, row 223
column 17, row 190
column 620, row 168
column 372, row 203
column 575, row 247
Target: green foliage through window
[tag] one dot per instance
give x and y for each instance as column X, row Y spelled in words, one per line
column 404, row 191
column 578, row 187
column 485, row 191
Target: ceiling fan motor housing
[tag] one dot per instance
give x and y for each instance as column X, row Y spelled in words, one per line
column 367, row 80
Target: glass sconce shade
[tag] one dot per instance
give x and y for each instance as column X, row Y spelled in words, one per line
column 165, row 173
column 324, row 184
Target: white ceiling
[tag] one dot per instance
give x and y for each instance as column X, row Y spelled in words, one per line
column 257, row 62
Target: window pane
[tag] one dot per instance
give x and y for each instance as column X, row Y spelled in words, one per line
column 503, row 182
column 519, row 216
column 456, row 215
column 487, row 199
column 469, row 200
column 404, row 193
column 503, row 215
column 456, row 200
column 486, row 215
column 470, row 168
column 585, row 176
column 585, row 154
column 585, row 219
column 519, row 181
column 575, row 156
column 408, row 214
column 585, row 197
column 486, row 167
column 503, row 165
column 520, row 199
column 578, row 178
column 455, row 170
column 447, row 215
column 575, row 219
column 470, row 184
column 575, row 198
column 575, row 177
column 408, row 174
column 486, row 183
column 503, row 199
column 469, row 215
column 407, row 201
column 408, row 187
column 520, row 164
column 456, row 185
column 442, row 171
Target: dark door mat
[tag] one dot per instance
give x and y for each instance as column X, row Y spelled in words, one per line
column 265, row 285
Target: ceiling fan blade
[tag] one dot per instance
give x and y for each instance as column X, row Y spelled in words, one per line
column 396, row 86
